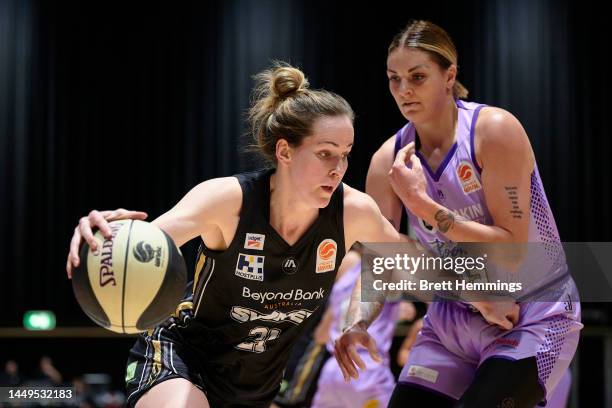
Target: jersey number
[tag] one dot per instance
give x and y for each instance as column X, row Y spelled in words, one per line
column 258, row 338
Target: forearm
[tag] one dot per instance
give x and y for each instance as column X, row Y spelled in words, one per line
column 458, row 228
column 362, row 313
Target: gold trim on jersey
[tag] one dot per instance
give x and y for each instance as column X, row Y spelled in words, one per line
column 306, row 369
column 157, row 361
column 199, row 265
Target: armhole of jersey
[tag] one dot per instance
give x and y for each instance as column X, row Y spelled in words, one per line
column 245, row 207
column 472, row 135
column 398, row 143
column 404, row 225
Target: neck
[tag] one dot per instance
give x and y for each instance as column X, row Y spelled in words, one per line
column 439, row 132
column 285, row 205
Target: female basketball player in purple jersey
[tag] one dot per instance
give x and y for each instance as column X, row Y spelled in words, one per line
column 465, row 172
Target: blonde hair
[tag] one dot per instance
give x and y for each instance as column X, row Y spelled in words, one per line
column 283, row 107
column 428, row 37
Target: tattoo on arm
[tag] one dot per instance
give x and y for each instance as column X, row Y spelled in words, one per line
column 445, row 219
column 512, row 192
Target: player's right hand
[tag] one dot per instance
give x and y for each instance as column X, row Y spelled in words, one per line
column 100, row 220
column 345, row 350
column 504, row 314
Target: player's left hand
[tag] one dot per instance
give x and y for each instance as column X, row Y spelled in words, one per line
column 345, row 350
column 409, row 183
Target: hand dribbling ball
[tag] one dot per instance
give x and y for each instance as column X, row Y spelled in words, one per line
column 133, row 281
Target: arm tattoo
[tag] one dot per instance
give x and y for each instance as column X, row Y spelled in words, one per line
column 447, row 219
column 512, row 192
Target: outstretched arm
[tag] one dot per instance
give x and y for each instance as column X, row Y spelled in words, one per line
column 203, row 210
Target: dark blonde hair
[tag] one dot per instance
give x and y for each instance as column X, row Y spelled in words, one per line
column 283, row 107
column 428, row 37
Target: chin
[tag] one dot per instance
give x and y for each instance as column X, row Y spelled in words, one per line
column 321, row 201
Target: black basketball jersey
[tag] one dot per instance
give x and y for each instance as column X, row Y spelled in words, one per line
column 250, row 302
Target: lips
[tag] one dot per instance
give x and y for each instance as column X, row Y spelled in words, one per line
column 328, row 189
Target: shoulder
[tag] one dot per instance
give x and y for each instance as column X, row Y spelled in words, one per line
column 385, row 155
column 499, row 132
column 227, row 188
column 494, row 125
column 219, row 195
column 358, row 206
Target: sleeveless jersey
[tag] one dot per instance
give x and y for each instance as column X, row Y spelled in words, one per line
column 249, row 303
column 457, row 185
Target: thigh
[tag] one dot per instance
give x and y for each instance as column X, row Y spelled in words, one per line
column 173, row 393
column 158, row 357
column 500, row 382
column 412, row 395
column 552, row 342
column 434, row 367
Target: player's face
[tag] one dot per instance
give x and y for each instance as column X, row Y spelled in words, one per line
column 418, row 84
column 319, row 163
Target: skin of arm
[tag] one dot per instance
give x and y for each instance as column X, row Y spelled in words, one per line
column 211, row 210
column 378, row 186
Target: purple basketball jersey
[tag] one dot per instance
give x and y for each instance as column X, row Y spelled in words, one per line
column 455, row 339
column 457, row 185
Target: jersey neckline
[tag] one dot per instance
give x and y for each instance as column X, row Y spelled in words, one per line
column 275, row 234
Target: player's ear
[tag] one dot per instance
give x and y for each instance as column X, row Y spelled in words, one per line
column 451, row 77
column 283, row 151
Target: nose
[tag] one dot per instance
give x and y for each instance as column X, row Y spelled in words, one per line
column 404, row 88
column 339, row 169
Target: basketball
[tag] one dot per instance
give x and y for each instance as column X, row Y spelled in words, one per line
column 133, row 281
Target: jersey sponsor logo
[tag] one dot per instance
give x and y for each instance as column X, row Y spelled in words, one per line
column 250, row 267
column 290, row 265
column 424, row 373
column 254, row 241
column 244, row 314
column 326, row 256
column 467, row 176
column 292, row 295
column 472, row 212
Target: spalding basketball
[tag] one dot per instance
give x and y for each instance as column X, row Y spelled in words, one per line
column 133, row 281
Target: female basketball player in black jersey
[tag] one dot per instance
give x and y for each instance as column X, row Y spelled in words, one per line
column 272, row 243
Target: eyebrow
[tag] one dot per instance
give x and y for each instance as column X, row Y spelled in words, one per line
column 411, row 69
column 333, row 143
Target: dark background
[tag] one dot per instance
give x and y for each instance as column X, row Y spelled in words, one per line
column 130, row 104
